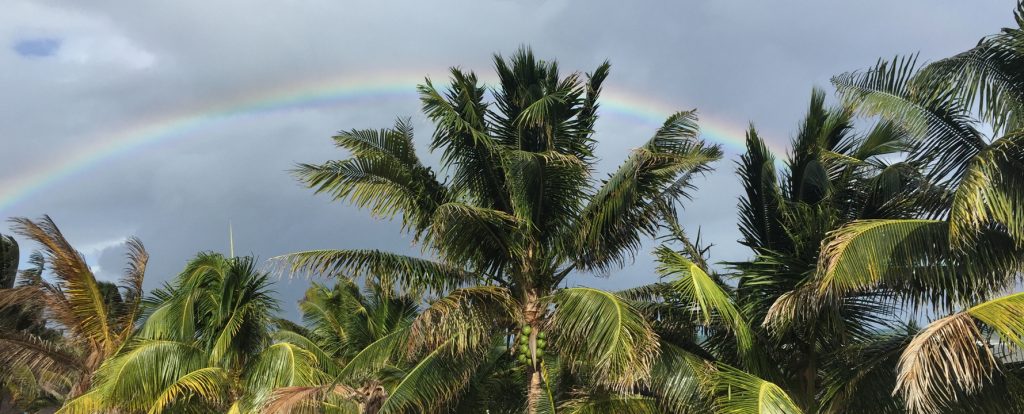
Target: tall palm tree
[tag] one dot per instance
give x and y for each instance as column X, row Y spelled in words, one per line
column 960, row 259
column 516, row 212
column 761, row 341
column 205, row 346
column 96, row 317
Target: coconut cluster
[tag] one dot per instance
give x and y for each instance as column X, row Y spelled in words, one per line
column 524, row 337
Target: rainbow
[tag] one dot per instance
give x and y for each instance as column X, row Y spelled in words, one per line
column 311, row 94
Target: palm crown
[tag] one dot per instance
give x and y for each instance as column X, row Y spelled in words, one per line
column 517, row 213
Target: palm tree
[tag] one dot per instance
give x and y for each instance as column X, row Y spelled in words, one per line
column 517, row 212
column 861, row 237
column 750, row 334
column 19, row 384
column 339, row 325
column 205, row 346
column 958, row 260
column 95, row 317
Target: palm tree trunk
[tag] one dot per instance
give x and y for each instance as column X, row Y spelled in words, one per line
column 534, row 391
column 532, row 313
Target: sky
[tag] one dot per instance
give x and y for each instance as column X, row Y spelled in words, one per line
column 171, row 121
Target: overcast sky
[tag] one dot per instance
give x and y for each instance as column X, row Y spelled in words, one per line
column 76, row 73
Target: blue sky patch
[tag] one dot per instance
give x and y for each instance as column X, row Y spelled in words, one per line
column 37, row 47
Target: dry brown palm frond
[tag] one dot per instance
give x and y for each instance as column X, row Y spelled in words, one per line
column 39, row 354
column 467, row 316
column 288, row 400
column 24, row 297
column 948, row 357
column 131, row 285
column 796, row 306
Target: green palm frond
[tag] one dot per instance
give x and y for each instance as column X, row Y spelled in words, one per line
column 987, row 77
column 913, row 258
column 942, row 131
column 492, row 231
column 641, row 191
column 861, row 377
column 388, row 269
column 464, row 321
column 759, row 211
column 209, row 384
column 436, row 377
column 389, row 350
column 137, row 377
column 694, row 286
column 679, row 380
column 991, row 192
column 741, row 393
column 610, row 339
column 282, row 364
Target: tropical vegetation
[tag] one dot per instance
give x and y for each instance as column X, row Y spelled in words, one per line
column 886, row 252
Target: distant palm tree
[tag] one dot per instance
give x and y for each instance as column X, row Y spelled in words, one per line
column 96, row 317
column 205, row 346
column 339, row 325
column 517, row 212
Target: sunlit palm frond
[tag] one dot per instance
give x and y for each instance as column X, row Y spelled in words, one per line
column 131, row 285
column 209, row 384
column 991, row 192
column 610, row 339
column 694, row 286
column 282, row 364
column 137, row 377
column 741, row 393
column 87, row 313
column 913, row 258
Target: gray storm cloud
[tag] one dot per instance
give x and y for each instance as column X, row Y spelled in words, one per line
column 121, row 62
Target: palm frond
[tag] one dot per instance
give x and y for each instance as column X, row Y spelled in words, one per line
column 694, row 286
column 739, row 392
column 913, row 258
column 387, row 269
column 991, row 192
column 610, row 339
column 86, row 312
column 641, row 191
column 943, row 134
